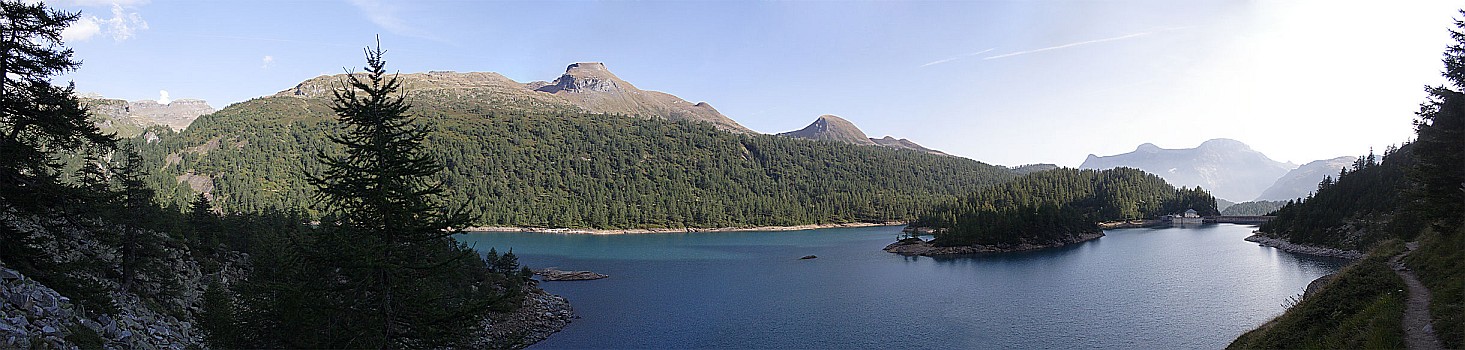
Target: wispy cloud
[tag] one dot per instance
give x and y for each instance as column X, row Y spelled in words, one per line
column 384, row 14
column 267, row 62
column 123, row 25
column 957, row 57
column 1068, row 45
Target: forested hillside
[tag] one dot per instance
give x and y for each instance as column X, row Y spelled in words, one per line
column 516, row 167
column 1053, row 205
column 1416, row 192
column 1362, row 206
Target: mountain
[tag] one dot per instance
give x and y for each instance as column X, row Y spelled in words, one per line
column 591, row 86
column 833, row 128
column 1227, row 168
column 584, row 88
column 1303, row 180
column 524, row 157
column 128, row 119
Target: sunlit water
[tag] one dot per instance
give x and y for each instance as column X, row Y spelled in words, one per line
column 1134, row 288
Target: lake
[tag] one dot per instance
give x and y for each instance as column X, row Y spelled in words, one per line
column 1134, row 288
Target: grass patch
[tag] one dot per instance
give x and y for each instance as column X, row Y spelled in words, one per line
column 1438, row 263
column 1362, row 308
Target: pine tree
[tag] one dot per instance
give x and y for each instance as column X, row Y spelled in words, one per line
column 403, row 274
column 1440, row 147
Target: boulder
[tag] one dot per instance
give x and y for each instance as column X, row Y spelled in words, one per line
column 7, row 275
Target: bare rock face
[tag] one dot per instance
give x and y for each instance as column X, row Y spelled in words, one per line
column 129, row 118
column 176, row 114
column 587, row 77
column 593, row 87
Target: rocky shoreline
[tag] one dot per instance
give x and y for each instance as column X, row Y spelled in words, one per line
column 1290, row 247
column 541, row 315
column 919, row 247
column 588, row 231
column 553, row 274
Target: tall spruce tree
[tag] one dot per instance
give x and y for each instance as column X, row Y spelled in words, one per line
column 1440, row 147
column 406, row 282
column 38, row 119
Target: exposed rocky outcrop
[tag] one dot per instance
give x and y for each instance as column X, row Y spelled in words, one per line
column 553, row 274
column 128, row 118
column 33, row 315
column 1286, row 246
column 541, row 315
column 593, row 87
column 916, row 246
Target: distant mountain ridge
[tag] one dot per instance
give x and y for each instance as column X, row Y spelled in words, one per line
column 1298, row 183
column 585, row 87
column 1227, row 168
column 833, row 128
column 129, row 118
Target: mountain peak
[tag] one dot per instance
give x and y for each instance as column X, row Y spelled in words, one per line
column 1222, row 143
column 1228, row 168
column 587, row 77
column 833, row 128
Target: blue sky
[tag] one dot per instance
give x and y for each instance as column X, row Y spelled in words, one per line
column 1006, row 82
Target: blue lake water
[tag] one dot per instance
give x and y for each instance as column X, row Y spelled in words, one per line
column 1134, row 288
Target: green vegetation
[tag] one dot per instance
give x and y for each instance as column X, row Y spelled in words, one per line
column 1357, row 210
column 1052, row 205
column 396, row 276
column 1362, row 308
column 576, row 170
column 79, row 213
column 1253, row 208
column 1437, row 263
column 1417, row 191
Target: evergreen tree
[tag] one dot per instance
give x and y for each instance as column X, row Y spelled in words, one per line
column 387, row 229
column 1440, row 148
column 37, row 119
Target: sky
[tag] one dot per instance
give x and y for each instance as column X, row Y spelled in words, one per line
column 1004, row 82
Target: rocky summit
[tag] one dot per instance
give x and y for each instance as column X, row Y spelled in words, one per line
column 129, row 118
column 833, row 128
column 593, row 87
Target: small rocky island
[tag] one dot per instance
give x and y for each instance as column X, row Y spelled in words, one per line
column 915, row 246
column 553, row 274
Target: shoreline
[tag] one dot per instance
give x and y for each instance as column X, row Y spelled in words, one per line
column 588, row 231
column 924, row 248
column 1290, row 247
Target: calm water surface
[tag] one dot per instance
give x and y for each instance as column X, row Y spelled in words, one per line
column 1134, row 288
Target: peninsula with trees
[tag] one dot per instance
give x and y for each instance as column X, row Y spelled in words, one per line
column 1045, row 209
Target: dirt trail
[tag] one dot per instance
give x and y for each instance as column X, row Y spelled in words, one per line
column 1419, row 333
